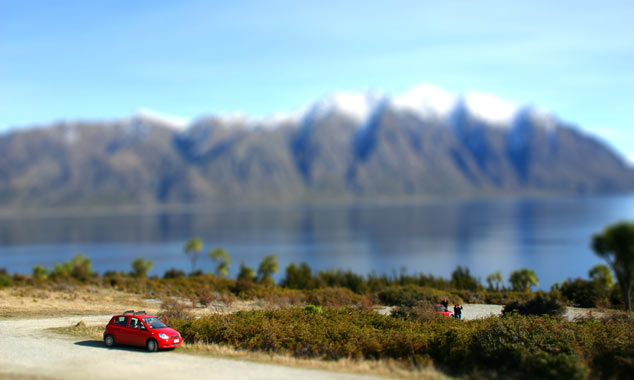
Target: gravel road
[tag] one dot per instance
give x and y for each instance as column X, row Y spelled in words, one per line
column 28, row 349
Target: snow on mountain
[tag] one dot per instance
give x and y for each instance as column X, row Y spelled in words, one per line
column 357, row 105
column 425, row 101
column 537, row 116
column 489, row 108
column 152, row 116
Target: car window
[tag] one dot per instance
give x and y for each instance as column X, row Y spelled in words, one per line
column 136, row 324
column 121, row 321
column 154, row 323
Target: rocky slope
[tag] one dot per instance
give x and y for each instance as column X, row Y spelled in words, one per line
column 345, row 146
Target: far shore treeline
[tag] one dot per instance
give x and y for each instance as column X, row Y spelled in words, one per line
column 615, row 244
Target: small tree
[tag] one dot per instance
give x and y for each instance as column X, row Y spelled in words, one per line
column 602, row 275
column 267, row 268
column 246, row 273
column 62, row 270
column 40, row 273
column 298, row 277
column 81, row 267
column 616, row 246
column 496, row 279
column 192, row 249
column 141, row 267
column 5, row 280
column 222, row 260
column 461, row 278
column 522, row 279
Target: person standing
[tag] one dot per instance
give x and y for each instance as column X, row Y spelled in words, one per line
column 445, row 303
column 457, row 311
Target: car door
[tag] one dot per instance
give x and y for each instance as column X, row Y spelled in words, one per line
column 128, row 333
column 138, row 333
column 119, row 328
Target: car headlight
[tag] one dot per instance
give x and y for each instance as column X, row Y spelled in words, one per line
column 163, row 336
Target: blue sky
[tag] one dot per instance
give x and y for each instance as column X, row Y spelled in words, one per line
column 94, row 60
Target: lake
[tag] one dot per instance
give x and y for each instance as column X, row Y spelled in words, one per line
column 549, row 235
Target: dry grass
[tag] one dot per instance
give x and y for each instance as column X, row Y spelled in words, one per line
column 81, row 331
column 16, row 376
column 389, row 368
column 34, row 302
column 65, row 300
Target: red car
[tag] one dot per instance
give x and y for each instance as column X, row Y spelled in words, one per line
column 140, row 329
column 440, row 309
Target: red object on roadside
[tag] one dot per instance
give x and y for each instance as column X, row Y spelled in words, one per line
column 440, row 309
column 140, row 329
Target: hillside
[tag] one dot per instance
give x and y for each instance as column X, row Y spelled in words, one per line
column 345, row 146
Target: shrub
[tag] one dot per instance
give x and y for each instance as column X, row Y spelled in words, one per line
column 583, row 293
column 313, row 309
column 410, row 295
column 140, row 267
column 62, row 270
column 40, row 273
column 461, row 278
column 510, row 347
column 536, row 306
column 423, row 311
column 344, row 279
column 298, row 277
column 5, row 280
column 172, row 308
column 173, row 273
column 206, row 297
column 81, row 267
column 333, row 297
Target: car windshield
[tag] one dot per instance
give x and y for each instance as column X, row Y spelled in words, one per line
column 154, row 323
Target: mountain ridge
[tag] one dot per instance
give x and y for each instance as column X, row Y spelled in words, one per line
column 355, row 146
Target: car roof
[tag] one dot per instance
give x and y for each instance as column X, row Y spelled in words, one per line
column 135, row 316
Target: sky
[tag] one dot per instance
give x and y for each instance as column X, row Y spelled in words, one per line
column 66, row 60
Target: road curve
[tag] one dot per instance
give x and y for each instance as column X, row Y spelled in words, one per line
column 28, row 349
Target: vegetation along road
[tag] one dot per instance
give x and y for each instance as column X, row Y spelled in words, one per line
column 28, row 349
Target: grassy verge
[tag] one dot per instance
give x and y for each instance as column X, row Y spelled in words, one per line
column 388, row 368
column 41, row 302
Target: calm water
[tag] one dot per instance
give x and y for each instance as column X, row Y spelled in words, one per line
column 551, row 236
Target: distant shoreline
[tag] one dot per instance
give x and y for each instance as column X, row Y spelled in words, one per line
column 202, row 207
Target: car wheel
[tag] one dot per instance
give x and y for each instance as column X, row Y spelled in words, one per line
column 108, row 341
column 151, row 345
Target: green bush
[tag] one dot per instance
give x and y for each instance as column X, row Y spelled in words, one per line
column 4, row 279
column 333, row 297
column 536, row 306
column 313, row 309
column 584, row 293
column 514, row 346
column 461, row 278
column 173, row 273
column 40, row 273
column 298, row 277
column 81, row 267
column 423, row 311
column 410, row 295
column 141, row 267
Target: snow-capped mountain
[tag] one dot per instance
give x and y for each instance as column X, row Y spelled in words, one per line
column 425, row 142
